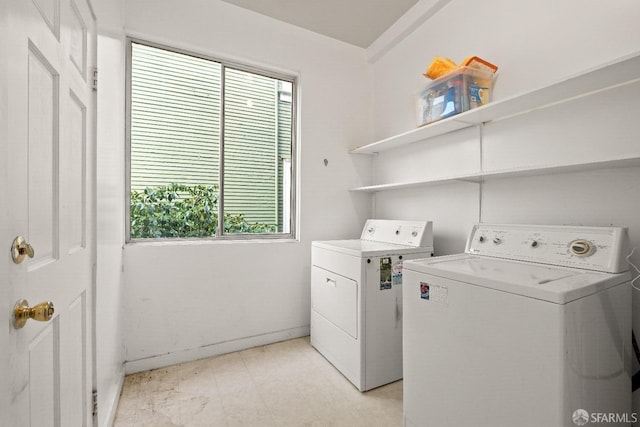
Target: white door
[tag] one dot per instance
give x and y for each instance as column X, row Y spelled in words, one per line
column 47, row 135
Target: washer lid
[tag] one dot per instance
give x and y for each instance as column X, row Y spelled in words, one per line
column 368, row 248
column 559, row 285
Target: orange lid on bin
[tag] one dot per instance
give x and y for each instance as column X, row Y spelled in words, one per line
column 479, row 63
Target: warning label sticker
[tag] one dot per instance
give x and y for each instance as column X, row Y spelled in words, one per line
column 385, row 273
column 434, row 293
column 396, row 273
column 425, row 290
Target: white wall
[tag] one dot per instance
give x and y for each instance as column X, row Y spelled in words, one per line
column 533, row 43
column 110, row 208
column 185, row 301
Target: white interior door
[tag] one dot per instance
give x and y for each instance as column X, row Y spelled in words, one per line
column 47, row 138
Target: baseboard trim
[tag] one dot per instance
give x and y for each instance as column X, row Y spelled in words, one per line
column 182, row 356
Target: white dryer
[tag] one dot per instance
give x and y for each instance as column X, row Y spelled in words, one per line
column 530, row 327
column 356, row 298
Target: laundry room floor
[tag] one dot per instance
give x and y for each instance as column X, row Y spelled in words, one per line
column 283, row 384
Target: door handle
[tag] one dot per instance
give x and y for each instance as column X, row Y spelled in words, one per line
column 42, row 312
column 332, row 282
column 20, row 249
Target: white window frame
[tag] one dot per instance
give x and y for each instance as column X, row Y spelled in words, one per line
column 290, row 203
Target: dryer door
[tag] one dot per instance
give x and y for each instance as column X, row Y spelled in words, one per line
column 335, row 298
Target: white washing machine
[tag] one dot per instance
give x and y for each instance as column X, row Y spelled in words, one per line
column 529, row 327
column 526, row 328
column 356, row 298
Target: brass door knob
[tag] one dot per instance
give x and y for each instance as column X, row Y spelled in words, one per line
column 42, row 312
column 20, row 249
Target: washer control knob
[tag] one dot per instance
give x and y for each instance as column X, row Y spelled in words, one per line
column 482, row 239
column 534, row 244
column 414, row 233
column 497, row 240
column 581, row 247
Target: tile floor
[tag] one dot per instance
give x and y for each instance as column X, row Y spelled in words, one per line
column 283, row 384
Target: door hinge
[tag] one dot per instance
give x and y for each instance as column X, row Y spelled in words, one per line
column 95, row 79
column 94, row 406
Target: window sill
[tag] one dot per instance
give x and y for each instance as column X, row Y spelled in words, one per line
column 209, row 241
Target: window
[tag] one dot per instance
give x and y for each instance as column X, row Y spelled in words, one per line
column 207, row 140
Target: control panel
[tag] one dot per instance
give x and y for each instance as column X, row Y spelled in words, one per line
column 591, row 248
column 408, row 233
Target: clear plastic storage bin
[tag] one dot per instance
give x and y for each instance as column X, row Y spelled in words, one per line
column 461, row 90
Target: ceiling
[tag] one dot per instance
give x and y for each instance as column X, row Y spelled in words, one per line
column 358, row 22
